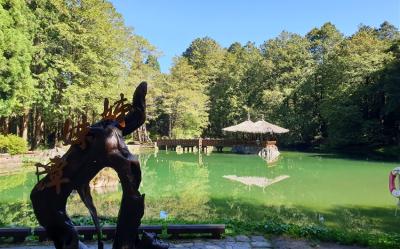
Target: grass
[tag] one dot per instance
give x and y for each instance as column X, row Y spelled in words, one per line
column 343, row 225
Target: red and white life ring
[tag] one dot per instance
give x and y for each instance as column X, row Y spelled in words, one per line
column 392, row 185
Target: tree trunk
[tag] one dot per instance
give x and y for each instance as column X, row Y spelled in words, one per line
column 31, row 125
column 37, row 129
column 23, row 125
column 138, row 135
column 146, row 137
column 13, row 125
column 4, row 125
column 169, row 126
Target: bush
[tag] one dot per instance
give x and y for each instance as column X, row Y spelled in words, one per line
column 13, row 144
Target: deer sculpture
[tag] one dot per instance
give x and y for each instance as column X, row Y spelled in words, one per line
column 94, row 147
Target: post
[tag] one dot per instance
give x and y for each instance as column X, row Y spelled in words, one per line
column 200, row 145
column 169, row 126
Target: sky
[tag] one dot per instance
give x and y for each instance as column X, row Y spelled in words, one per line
column 171, row 25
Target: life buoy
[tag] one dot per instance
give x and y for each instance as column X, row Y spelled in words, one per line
column 392, row 185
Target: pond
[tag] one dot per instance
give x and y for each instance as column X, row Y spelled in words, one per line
column 300, row 188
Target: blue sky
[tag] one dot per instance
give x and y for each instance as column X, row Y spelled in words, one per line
column 171, row 25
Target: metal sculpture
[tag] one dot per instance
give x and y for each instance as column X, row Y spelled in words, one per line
column 93, row 148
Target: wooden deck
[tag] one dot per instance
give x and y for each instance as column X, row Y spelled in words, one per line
column 202, row 144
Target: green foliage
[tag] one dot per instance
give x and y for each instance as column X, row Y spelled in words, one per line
column 352, row 106
column 326, row 88
column 17, row 214
column 13, row 144
column 81, row 55
column 60, row 59
column 184, row 101
column 16, row 51
column 322, row 233
column 152, row 62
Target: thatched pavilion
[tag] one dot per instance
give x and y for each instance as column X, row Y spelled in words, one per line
column 259, row 127
column 255, row 128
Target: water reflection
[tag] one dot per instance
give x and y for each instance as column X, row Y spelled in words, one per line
column 178, row 185
column 256, row 181
column 270, row 154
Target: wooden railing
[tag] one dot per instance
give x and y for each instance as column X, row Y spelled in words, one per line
column 208, row 142
column 19, row 234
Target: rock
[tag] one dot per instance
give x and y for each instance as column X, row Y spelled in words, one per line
column 242, row 238
column 261, row 244
column 106, row 178
column 213, row 247
column 257, row 238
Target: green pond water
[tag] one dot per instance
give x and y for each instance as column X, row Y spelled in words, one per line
column 314, row 188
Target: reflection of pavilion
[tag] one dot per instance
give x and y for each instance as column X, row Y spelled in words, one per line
column 255, row 180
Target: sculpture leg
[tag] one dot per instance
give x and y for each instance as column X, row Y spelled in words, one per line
column 129, row 217
column 86, row 197
column 50, row 211
column 132, row 204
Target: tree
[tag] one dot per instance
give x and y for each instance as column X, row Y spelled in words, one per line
column 289, row 63
column 16, row 83
column 237, row 87
column 352, row 105
column 205, row 55
column 388, row 31
column 84, row 54
column 152, row 62
column 390, row 86
column 324, row 40
column 185, row 101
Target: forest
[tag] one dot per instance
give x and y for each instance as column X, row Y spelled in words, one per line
column 60, row 58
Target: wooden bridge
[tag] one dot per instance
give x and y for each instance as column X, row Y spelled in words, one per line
column 202, row 144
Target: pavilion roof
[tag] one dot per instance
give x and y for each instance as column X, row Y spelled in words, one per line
column 259, row 127
column 246, row 127
column 263, row 126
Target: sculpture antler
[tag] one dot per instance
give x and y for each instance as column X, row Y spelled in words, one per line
column 137, row 115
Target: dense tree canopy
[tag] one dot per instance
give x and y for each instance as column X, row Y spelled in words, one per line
column 60, row 58
column 326, row 88
column 16, row 50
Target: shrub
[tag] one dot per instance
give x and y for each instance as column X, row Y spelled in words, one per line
column 13, row 144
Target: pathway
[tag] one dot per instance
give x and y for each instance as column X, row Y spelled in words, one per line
column 238, row 242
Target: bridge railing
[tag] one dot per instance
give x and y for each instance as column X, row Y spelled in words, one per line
column 208, row 142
